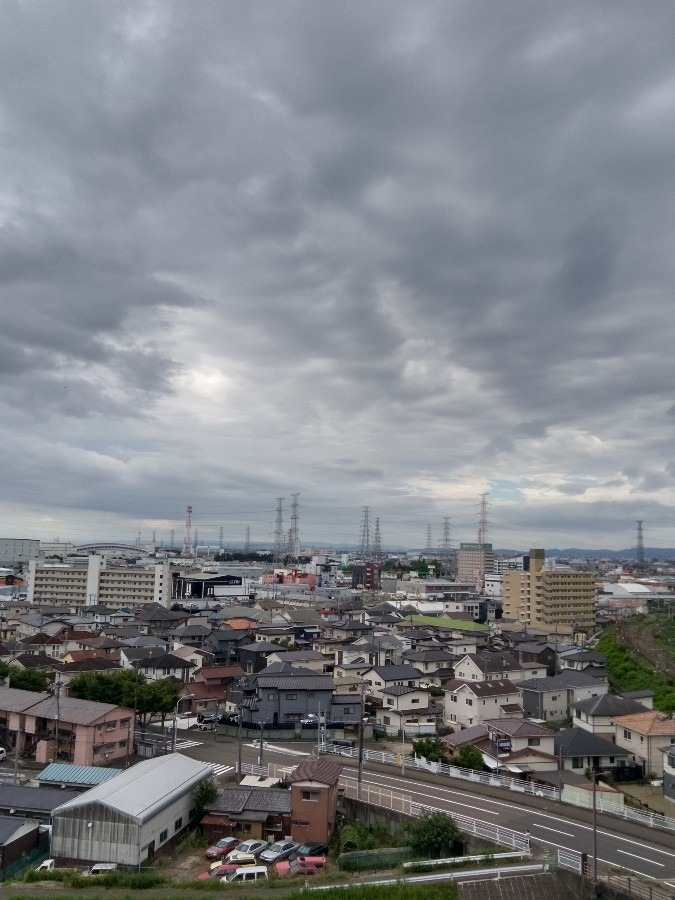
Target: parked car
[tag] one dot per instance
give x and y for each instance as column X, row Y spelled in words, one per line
column 3, row 754
column 302, row 865
column 46, row 866
column 222, row 847
column 220, row 869
column 278, row 851
column 101, row 869
column 254, row 847
column 248, row 873
column 311, row 848
column 206, row 718
column 311, row 720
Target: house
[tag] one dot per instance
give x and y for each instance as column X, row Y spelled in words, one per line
column 597, row 714
column 551, row 698
column 53, row 727
column 306, row 659
column 379, row 677
column 431, row 662
column 253, row 657
column 156, row 664
column 514, row 745
column 249, row 812
column 314, row 795
column 645, row 735
column 131, row 818
column 669, row 774
column 407, row 710
column 579, row 750
column 18, row 837
column 473, row 703
column 490, row 665
column 286, row 694
column 33, row 803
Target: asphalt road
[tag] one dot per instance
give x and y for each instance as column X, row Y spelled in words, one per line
column 632, row 847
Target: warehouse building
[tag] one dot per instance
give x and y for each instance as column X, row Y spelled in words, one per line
column 131, row 818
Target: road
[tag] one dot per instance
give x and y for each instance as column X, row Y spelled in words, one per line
column 635, row 848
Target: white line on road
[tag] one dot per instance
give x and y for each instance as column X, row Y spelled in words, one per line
column 555, row 830
column 274, row 749
column 643, row 858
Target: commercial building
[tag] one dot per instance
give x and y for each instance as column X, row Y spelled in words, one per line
column 14, row 551
column 541, row 596
column 474, row 561
column 93, row 582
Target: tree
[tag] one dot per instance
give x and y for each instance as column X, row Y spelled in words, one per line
column 28, row 679
column 430, row 748
column 468, row 757
column 119, row 688
column 433, row 834
column 203, row 796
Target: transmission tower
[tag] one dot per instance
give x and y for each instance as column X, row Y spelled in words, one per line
column 294, row 530
column 138, row 539
column 173, row 536
column 428, row 550
column 365, row 532
column 446, row 544
column 247, row 540
column 187, row 541
column 483, row 521
column 220, row 538
column 640, row 550
column 377, row 541
column 279, row 543
column 196, row 540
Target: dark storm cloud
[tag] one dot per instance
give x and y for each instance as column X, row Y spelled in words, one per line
column 381, row 254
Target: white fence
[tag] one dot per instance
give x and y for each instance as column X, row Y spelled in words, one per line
column 537, row 789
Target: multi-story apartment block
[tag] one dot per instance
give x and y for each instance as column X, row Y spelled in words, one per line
column 96, row 583
column 549, row 596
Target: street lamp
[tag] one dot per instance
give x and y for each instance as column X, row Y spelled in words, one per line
column 175, row 719
column 595, row 775
column 260, row 754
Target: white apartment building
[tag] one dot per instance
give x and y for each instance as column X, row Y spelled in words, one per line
column 114, row 586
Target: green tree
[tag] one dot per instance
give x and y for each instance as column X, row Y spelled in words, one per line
column 468, row 757
column 203, row 796
column 433, row 834
column 430, row 748
column 119, row 688
column 28, row 679
column 158, row 698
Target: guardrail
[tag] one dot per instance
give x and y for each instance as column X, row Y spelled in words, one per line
column 491, row 874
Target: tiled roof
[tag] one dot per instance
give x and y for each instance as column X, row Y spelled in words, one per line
column 394, row 673
column 322, row 771
column 609, row 705
column 484, row 688
column 235, row 800
column 579, row 742
column 650, row 722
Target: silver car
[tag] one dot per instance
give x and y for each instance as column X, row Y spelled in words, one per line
column 278, row 851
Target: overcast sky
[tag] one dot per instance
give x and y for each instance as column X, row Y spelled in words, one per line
column 385, row 254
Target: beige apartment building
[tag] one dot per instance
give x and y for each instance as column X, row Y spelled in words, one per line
column 95, row 582
column 549, row 596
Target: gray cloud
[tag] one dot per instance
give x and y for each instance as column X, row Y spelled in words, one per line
column 381, row 254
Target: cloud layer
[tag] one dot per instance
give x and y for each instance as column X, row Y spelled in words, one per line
column 386, row 254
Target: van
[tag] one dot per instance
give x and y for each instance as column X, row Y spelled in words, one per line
column 246, row 873
column 3, row 754
column 101, row 869
column 46, row 866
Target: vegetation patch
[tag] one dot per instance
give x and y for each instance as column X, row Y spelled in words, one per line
column 627, row 672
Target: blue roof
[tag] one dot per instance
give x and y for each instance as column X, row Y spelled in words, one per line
column 67, row 773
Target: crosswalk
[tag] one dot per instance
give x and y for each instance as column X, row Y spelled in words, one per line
column 221, row 770
column 185, row 745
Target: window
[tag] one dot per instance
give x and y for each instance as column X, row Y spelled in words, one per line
column 469, row 701
column 642, row 738
column 291, row 696
column 312, row 796
column 271, row 696
column 627, row 735
column 453, row 697
column 577, row 762
column 533, row 742
column 164, row 835
column 245, row 827
column 386, row 720
column 178, row 824
column 415, row 700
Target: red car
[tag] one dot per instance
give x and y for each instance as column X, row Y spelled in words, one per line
column 222, row 847
column 301, row 865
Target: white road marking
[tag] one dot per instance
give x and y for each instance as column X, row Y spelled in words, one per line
column 274, row 749
column 556, row 830
column 185, row 745
column 643, row 858
column 221, row 770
